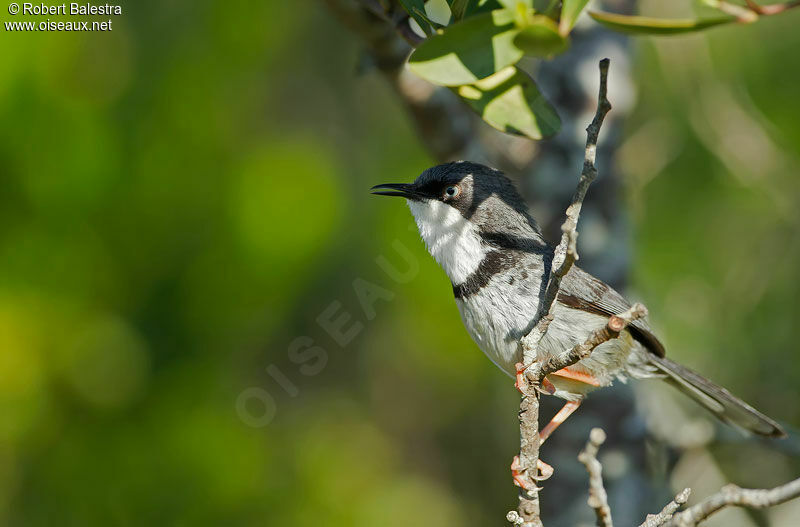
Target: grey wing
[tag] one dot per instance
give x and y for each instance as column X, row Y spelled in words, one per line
column 580, row 290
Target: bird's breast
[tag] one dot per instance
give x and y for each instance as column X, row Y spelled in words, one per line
column 498, row 314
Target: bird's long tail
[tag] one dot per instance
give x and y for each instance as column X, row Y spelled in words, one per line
column 717, row 399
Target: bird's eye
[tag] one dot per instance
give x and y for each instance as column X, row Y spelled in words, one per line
column 452, row 191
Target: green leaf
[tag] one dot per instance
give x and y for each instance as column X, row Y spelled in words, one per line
column 519, row 9
column 474, row 7
column 481, row 6
column 416, row 10
column 513, row 5
column 540, row 37
column 656, row 26
column 467, row 51
column 510, row 101
column 570, row 11
column 458, row 8
column 429, row 23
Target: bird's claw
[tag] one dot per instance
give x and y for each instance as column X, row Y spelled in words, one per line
column 521, row 383
column 517, row 472
column 545, row 470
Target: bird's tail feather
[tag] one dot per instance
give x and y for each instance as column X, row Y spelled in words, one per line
column 717, row 399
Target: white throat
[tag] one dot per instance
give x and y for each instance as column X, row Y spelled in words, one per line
column 452, row 240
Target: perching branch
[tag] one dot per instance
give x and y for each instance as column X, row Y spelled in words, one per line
column 565, row 255
column 598, row 499
column 528, row 509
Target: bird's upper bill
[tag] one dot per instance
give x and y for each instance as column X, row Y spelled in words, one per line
column 404, row 190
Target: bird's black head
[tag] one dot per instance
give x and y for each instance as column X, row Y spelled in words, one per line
column 464, row 211
column 463, row 185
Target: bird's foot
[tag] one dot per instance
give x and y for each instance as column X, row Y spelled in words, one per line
column 521, row 383
column 517, row 473
column 544, row 471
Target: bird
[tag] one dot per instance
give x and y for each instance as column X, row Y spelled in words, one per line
column 478, row 228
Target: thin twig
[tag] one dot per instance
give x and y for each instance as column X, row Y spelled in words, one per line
column 566, row 253
column 598, row 499
column 732, row 495
column 657, row 520
column 564, row 257
column 539, row 369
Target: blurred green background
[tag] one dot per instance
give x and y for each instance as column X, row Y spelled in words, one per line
column 182, row 197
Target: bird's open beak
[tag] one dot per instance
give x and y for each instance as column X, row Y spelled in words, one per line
column 404, row 190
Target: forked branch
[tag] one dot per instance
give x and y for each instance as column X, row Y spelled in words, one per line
column 728, row 496
column 732, row 495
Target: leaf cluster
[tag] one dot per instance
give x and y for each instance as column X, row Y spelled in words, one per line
column 477, row 52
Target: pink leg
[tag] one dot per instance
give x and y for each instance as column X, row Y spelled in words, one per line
column 557, row 419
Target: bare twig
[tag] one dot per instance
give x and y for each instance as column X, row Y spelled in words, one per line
column 564, row 257
column 732, row 495
column 566, row 253
column 657, row 520
column 598, row 499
